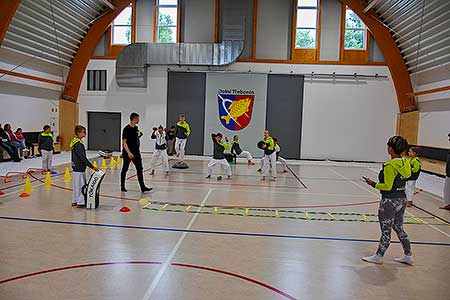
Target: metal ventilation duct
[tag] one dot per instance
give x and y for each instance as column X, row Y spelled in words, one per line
column 133, row 60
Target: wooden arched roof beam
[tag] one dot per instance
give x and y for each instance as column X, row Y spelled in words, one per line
column 7, row 10
column 391, row 52
column 86, row 49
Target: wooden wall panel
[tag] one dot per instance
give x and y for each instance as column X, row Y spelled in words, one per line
column 408, row 126
column 68, row 118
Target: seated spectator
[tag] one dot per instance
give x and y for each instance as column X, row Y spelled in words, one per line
column 7, row 146
column 25, row 144
column 13, row 139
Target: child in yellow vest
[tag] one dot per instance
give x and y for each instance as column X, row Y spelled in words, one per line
column 79, row 164
column 415, row 172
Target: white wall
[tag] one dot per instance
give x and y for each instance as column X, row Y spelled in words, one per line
column 198, row 21
column 434, row 124
column 144, row 21
column 273, row 32
column 28, row 104
column 150, row 103
column 434, row 128
column 348, row 121
column 251, row 134
column 340, row 120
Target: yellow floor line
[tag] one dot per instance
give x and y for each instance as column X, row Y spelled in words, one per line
column 439, row 220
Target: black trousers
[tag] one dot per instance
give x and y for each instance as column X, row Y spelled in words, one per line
column 10, row 149
column 137, row 161
column 30, row 146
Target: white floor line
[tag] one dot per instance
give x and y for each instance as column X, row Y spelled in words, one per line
column 353, row 182
column 169, row 259
column 366, row 189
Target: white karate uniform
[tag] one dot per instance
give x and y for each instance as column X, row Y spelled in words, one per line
column 223, row 162
column 280, row 159
column 180, row 145
column 269, row 162
column 160, row 154
column 246, row 154
column 410, row 188
column 78, row 181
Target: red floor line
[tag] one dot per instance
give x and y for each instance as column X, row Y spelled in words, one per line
column 76, row 267
column 219, row 271
column 296, row 177
column 269, row 287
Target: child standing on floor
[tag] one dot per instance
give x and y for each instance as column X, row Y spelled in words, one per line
column 171, row 140
column 45, row 147
column 183, row 130
column 218, row 157
column 235, row 148
column 270, row 157
column 79, row 164
column 160, row 150
column 415, row 172
column 279, row 158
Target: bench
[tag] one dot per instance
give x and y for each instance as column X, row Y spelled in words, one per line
column 433, row 159
column 31, row 137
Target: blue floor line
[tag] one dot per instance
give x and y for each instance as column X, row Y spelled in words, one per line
column 215, row 232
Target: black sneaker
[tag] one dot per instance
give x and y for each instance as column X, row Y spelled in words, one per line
column 259, row 170
column 208, row 177
column 123, row 189
column 146, row 189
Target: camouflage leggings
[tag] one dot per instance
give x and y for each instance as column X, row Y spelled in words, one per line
column 390, row 216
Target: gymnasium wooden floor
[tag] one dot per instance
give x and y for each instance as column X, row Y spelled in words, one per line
column 209, row 239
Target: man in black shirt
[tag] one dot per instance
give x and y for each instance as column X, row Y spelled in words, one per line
column 130, row 153
column 218, row 155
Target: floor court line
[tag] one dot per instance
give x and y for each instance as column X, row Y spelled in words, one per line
column 226, row 233
column 243, row 206
column 411, row 214
column 431, row 214
column 203, row 268
column 296, row 177
column 169, row 259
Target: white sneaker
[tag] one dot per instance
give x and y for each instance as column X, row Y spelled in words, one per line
column 374, row 259
column 407, row 259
